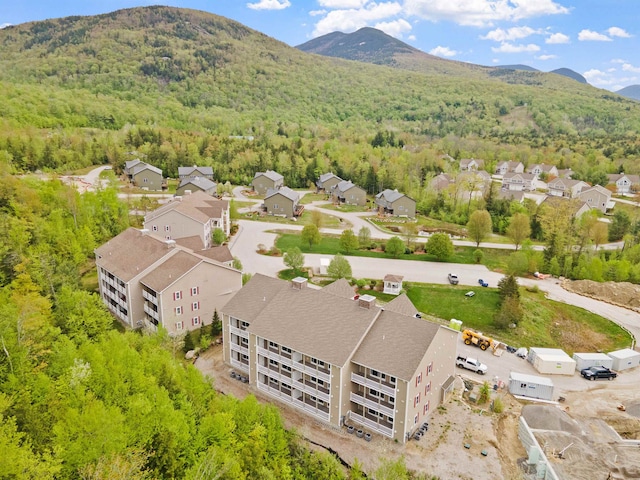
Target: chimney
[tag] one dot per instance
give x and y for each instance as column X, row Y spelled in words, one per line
column 366, row 301
column 299, row 283
column 144, row 231
column 170, row 243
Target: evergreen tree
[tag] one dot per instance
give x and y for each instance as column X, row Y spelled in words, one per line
column 508, row 287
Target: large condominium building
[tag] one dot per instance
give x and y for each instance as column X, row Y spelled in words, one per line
column 339, row 357
column 148, row 281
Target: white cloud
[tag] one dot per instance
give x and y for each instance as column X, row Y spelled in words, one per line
column 395, row 28
column 269, row 5
column 5, row 25
column 342, row 4
column 515, row 33
column 443, row 52
column 608, row 79
column 594, row 74
column 412, row 38
column 627, row 67
column 546, row 57
column 352, row 19
column 506, row 47
column 557, row 38
column 618, row 32
column 589, row 35
column 315, row 13
column 618, row 60
column 482, row 12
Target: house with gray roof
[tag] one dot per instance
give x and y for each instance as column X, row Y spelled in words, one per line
column 471, row 164
column 624, row 183
column 129, row 165
column 540, row 168
column 194, row 184
column 597, row 197
column 505, row 167
column 194, row 172
column 146, row 281
column 441, row 182
column 283, row 202
column 565, row 187
column 326, row 182
column 147, row 177
column 392, row 202
column 338, row 358
column 349, row 194
column 265, row 181
column 574, row 205
column 519, row 181
column 185, row 216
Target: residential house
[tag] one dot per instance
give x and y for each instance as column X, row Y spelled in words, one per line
column 471, row 164
column 195, row 172
column 326, row 182
column 283, row 202
column 519, row 181
column 513, row 195
column 220, row 253
column 264, row 181
column 194, row 214
column 395, row 203
column 473, row 183
column 576, row 206
column 146, row 281
column 349, row 194
column 564, row 187
column 194, row 184
column 624, row 183
column 597, row 197
column 147, row 177
column 565, row 173
column 540, row 168
column 128, row 167
column 505, row 167
column 392, row 284
column 441, row 182
column 338, row 358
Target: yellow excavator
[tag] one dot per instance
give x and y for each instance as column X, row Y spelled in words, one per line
column 471, row 337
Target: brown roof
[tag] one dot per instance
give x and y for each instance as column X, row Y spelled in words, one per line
column 340, row 288
column 198, row 205
column 396, row 344
column 401, row 304
column 170, row 270
column 130, row 253
column 193, row 242
column 220, row 254
column 393, row 278
column 253, row 297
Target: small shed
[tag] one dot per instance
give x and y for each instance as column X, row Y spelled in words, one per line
column 624, row 359
column 586, row 360
column 393, row 284
column 551, row 361
column 530, row 386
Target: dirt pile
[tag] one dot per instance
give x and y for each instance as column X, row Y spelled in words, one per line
column 623, row 294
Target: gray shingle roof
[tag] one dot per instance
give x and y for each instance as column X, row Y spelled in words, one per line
column 327, row 176
column 340, row 288
column 389, row 195
column 202, row 183
column 170, row 270
column 401, row 304
column 198, row 205
column 396, row 344
column 189, row 170
column 285, row 192
column 145, row 166
column 275, row 176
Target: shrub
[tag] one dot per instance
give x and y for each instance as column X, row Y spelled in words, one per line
column 498, row 405
column 478, row 255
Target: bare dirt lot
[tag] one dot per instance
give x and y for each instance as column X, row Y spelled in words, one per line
column 623, row 294
column 459, row 432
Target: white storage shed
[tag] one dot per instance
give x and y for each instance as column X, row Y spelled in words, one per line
column 586, row 360
column 625, row 359
column 530, row 386
column 551, row 361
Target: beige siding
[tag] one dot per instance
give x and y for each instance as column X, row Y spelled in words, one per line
column 262, row 184
column 355, row 196
column 404, row 206
column 183, row 190
column 336, row 411
column 216, row 286
column 179, row 226
column 329, row 184
column 279, row 205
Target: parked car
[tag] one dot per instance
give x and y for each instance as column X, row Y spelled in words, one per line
column 593, row 373
column 483, row 283
column 453, row 279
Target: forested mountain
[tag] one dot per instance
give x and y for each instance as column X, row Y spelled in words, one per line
column 567, row 72
column 632, row 91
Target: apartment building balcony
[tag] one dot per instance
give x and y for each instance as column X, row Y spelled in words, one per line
column 307, row 406
column 309, row 369
column 275, row 373
column 313, row 385
column 149, row 310
column 113, row 283
column 382, row 428
column 150, row 297
column 238, row 331
column 239, row 348
column 240, row 364
column 382, row 407
column 381, row 386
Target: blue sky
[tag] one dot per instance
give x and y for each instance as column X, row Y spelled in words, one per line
column 597, row 38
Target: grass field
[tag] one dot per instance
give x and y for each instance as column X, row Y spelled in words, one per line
column 494, row 259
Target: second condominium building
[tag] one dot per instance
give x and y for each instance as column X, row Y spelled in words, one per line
column 337, row 356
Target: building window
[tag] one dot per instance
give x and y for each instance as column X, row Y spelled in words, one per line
column 286, row 367
column 375, row 373
column 177, row 295
column 427, row 388
column 286, row 350
column 145, row 180
column 426, row 408
column 195, row 306
column 276, row 206
column 374, row 393
column 317, row 362
column 154, row 228
column 167, row 228
column 416, row 419
column 179, row 310
column 273, row 345
column 195, row 291
column 195, row 321
column 430, row 368
column 273, row 362
column 179, row 326
column 418, row 379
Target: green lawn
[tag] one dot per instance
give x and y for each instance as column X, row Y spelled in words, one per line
column 546, row 323
column 345, row 208
column 494, row 259
column 313, row 197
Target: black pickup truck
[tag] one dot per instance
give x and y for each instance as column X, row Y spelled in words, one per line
column 593, row 373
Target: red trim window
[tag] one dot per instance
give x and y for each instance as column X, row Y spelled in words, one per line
column 177, row 295
column 430, row 368
column 426, row 408
column 195, row 291
column 195, row 306
column 427, row 388
column 195, row 321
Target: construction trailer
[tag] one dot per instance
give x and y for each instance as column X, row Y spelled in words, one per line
column 530, row 386
column 624, row 359
column 551, row 361
column 586, row 360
